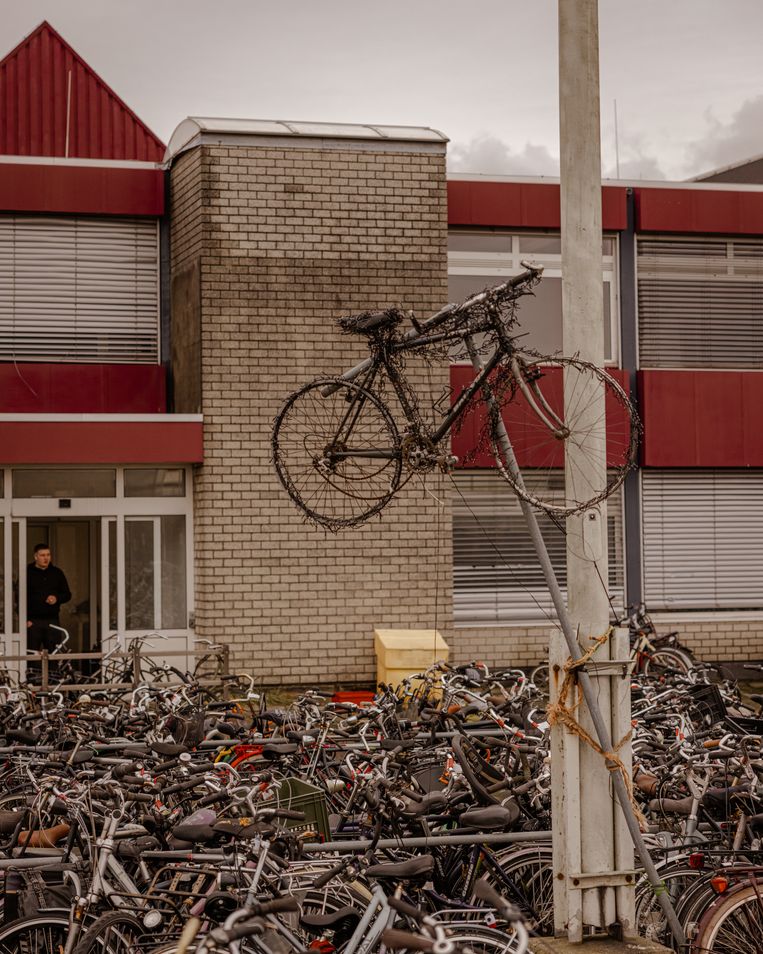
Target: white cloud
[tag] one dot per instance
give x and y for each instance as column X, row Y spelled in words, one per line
column 729, row 143
column 492, row 156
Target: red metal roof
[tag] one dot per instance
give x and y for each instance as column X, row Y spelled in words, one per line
column 41, row 81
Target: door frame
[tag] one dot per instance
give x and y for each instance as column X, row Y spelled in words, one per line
column 108, row 509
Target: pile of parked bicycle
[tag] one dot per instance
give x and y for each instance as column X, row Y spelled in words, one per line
column 174, row 818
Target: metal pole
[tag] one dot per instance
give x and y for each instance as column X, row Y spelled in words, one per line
column 575, row 652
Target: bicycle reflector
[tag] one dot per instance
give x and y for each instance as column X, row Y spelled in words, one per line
column 697, row 859
column 720, row 884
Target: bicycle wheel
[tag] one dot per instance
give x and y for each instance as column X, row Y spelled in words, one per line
column 734, row 925
column 527, row 880
column 663, row 661
column 115, row 932
column 43, row 934
column 531, row 399
column 339, row 456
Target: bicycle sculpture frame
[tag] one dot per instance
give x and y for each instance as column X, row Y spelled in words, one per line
column 338, row 451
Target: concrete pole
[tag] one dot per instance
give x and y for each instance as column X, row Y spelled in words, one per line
column 585, row 815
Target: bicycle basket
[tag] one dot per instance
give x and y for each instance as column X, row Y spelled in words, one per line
column 709, row 702
column 303, row 797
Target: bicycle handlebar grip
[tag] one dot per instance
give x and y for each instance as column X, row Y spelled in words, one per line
column 139, row 797
column 402, row 907
column 212, row 798
column 185, row 786
column 278, row 906
column 322, row 880
column 290, row 814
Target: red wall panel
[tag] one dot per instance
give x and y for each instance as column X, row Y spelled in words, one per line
column 93, row 190
column 101, row 442
column 82, row 389
column 699, row 210
column 701, row 418
column 522, row 205
column 522, row 425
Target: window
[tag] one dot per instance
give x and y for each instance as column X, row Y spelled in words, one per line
column 63, row 482
column 155, row 482
column 700, row 303
column 79, row 289
column 703, row 539
column 477, row 260
column 496, row 574
column 155, row 573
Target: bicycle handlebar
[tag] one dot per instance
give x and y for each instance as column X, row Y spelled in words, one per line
column 422, row 327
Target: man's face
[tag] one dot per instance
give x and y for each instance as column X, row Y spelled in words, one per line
column 42, row 558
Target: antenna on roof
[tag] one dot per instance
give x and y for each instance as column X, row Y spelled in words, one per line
column 68, row 112
column 617, row 145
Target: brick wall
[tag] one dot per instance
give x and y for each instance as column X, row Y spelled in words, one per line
column 288, row 239
column 724, row 639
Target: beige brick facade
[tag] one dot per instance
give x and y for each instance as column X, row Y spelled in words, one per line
column 285, row 240
column 270, row 244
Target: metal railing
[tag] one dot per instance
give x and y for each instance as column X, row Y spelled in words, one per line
column 136, row 653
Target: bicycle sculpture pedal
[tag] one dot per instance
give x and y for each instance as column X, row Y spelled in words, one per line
column 341, row 457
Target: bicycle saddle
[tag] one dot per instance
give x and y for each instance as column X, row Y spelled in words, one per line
column 21, row 735
column 491, row 818
column 318, row 922
column 419, row 867
column 8, row 822
column 673, row 806
column 274, row 750
column 369, row 321
column 170, row 749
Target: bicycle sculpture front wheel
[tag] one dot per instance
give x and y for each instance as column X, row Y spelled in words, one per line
column 550, row 407
column 337, row 454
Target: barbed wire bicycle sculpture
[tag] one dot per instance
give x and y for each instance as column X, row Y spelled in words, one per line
column 340, row 455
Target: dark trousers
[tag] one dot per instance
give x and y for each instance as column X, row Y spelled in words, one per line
column 40, row 636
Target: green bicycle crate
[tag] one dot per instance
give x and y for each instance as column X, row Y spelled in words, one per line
column 303, row 797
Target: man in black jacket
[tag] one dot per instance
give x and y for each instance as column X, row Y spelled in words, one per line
column 46, row 590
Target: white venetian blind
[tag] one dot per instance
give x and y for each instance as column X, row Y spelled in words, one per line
column 700, row 303
column 703, row 539
column 79, row 289
column 496, row 575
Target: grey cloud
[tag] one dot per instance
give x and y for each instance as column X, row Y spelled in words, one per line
column 732, row 142
column 636, row 166
column 490, row 155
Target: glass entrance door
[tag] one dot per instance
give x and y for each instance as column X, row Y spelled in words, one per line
column 13, row 590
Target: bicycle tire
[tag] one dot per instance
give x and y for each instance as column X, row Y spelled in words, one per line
column 41, row 934
column 651, row 922
column 540, row 450
column 663, row 661
column 331, row 490
column 734, row 924
column 116, row 932
column 531, row 874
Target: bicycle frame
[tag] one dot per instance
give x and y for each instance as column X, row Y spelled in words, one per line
column 398, row 382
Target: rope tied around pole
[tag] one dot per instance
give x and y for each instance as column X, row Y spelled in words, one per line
column 561, row 713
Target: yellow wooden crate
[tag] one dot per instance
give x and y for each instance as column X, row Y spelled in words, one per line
column 402, row 652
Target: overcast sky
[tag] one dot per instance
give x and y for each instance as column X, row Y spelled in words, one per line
column 687, row 74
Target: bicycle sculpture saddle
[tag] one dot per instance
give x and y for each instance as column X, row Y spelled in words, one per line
column 369, row 322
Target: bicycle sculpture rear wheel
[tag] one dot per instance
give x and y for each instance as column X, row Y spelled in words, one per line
column 541, row 436
column 323, row 452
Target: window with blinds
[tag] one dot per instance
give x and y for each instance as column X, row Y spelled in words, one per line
column 700, row 303
column 703, row 539
column 79, row 289
column 496, row 575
